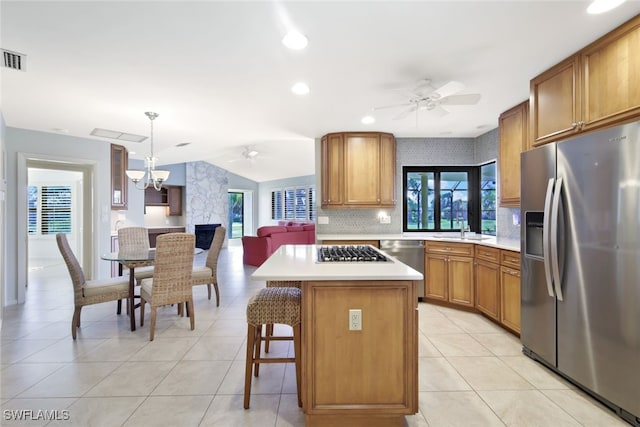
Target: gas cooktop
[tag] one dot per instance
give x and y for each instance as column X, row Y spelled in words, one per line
column 350, row 253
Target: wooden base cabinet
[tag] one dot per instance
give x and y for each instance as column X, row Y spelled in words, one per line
column 364, row 377
column 488, row 288
column 510, row 289
column 449, row 273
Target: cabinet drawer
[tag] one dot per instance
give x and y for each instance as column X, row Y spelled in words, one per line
column 464, row 249
column 488, row 254
column 510, row 259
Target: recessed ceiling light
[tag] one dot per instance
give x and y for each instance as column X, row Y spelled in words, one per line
column 61, row 130
column 368, row 120
column 183, row 144
column 300, row 88
column 601, row 6
column 295, row 40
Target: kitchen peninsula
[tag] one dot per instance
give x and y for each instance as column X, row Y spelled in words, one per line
column 350, row 376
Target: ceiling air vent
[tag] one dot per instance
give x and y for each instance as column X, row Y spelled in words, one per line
column 14, row 60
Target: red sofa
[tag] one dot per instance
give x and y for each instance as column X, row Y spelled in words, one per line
column 258, row 248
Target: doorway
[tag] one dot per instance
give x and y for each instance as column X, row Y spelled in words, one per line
column 236, row 215
column 58, row 200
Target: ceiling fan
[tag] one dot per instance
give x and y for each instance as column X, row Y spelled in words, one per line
column 424, row 96
column 248, row 153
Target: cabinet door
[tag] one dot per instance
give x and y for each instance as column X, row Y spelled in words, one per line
column 387, row 170
column 119, row 184
column 435, row 275
column 555, row 102
column 513, row 130
column 611, row 77
column 115, row 266
column 510, row 298
column 362, row 165
column 461, row 286
column 488, row 288
column 174, row 196
column 332, row 170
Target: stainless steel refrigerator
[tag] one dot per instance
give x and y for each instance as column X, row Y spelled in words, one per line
column 580, row 212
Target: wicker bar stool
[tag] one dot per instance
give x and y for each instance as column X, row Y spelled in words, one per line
column 268, row 333
column 269, row 306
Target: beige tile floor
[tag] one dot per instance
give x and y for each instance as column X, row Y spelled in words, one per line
column 471, row 372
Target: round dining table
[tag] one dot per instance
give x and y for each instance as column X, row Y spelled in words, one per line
column 132, row 259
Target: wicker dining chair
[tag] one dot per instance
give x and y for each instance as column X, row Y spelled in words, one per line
column 135, row 238
column 208, row 274
column 171, row 281
column 88, row 292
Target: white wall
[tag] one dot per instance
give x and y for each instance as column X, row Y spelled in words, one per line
column 3, row 214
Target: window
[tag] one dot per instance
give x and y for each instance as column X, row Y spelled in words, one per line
column 33, row 209
column 488, row 199
column 296, row 203
column 53, row 207
column 449, row 198
column 236, row 214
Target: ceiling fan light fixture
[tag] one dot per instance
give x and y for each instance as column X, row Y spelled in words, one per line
column 295, row 40
column 368, row 120
column 300, row 88
column 601, row 6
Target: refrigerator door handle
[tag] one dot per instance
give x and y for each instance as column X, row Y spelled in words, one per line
column 555, row 217
column 546, row 227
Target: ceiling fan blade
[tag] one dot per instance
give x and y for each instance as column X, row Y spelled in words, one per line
column 406, row 112
column 447, row 90
column 391, row 106
column 467, row 99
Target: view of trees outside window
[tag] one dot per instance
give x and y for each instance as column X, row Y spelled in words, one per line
column 236, row 209
column 437, row 195
column 438, row 198
column 488, row 199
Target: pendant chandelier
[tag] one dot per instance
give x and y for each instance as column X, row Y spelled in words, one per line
column 150, row 176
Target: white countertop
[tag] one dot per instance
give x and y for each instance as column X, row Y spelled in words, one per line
column 298, row 262
column 496, row 242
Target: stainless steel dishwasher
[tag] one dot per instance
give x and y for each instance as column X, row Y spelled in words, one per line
column 410, row 252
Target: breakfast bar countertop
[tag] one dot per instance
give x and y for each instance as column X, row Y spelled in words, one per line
column 496, row 242
column 299, row 262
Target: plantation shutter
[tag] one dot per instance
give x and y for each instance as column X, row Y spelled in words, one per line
column 56, row 209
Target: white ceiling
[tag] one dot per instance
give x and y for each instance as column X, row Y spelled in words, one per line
column 220, row 79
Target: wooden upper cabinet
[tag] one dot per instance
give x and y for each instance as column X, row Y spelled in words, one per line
column 362, row 167
column 554, row 101
column 387, row 170
column 119, row 184
column 358, row 170
column 597, row 87
column 513, row 140
column 332, row 169
column 611, row 77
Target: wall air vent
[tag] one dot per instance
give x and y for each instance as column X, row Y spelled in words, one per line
column 14, row 60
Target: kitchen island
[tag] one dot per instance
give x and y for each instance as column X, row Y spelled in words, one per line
column 355, row 372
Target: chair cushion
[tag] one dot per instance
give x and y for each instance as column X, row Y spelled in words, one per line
column 146, row 285
column 143, row 272
column 201, row 273
column 105, row 286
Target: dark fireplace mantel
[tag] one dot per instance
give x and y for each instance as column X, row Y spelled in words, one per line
column 204, row 235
